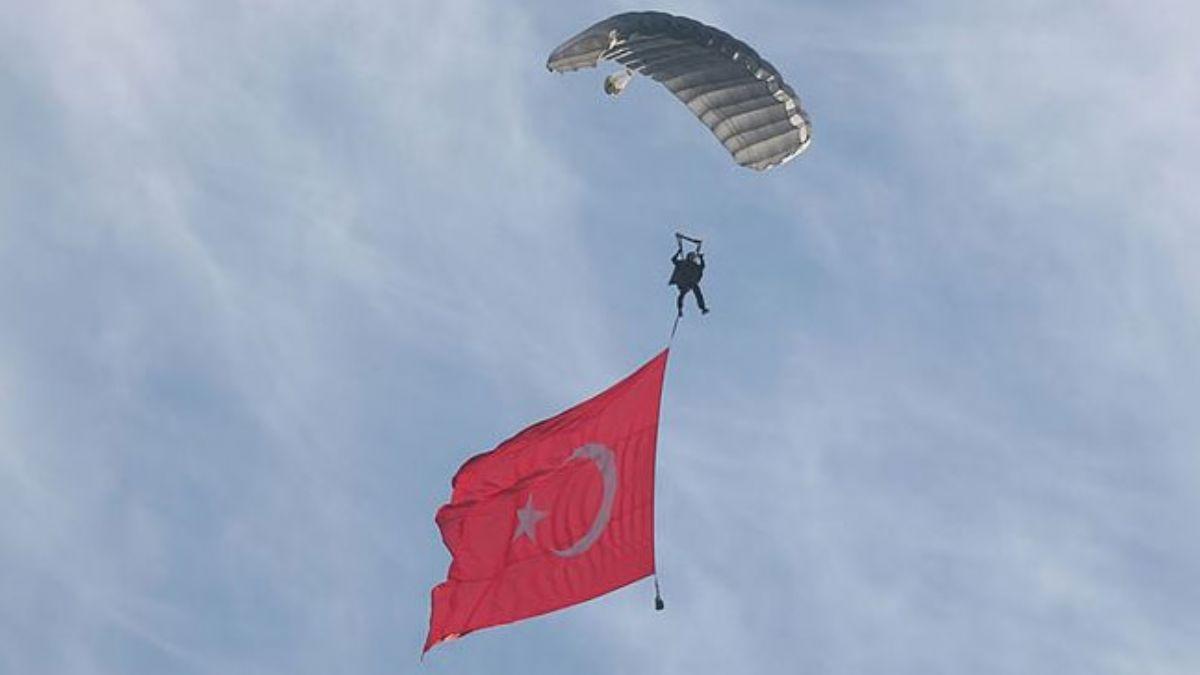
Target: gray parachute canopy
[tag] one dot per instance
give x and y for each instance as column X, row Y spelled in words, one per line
column 725, row 83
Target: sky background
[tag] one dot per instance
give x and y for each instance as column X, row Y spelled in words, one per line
column 270, row 271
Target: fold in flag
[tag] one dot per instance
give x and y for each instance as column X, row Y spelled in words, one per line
column 560, row 513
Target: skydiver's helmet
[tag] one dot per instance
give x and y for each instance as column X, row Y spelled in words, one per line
column 615, row 84
column 691, row 256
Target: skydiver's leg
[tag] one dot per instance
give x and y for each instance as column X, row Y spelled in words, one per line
column 679, row 300
column 699, row 299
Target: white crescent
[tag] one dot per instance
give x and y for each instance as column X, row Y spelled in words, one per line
column 606, row 464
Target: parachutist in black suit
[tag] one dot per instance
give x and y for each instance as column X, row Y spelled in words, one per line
column 686, row 277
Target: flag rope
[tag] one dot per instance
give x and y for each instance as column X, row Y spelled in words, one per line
column 659, row 605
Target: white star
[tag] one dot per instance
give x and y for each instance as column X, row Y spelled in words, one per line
column 527, row 520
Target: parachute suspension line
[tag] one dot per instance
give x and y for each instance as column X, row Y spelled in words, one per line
column 659, row 605
column 679, row 236
column 674, row 327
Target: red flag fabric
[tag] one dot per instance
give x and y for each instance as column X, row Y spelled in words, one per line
column 556, row 515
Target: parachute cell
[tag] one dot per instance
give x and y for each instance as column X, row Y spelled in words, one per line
column 736, row 93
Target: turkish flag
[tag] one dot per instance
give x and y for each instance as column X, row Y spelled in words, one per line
column 556, row 515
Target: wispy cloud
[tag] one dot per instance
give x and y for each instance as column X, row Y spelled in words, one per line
column 270, row 272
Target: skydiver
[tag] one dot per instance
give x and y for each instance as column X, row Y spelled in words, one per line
column 686, row 275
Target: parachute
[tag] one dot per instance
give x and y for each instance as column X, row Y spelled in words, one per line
column 736, row 93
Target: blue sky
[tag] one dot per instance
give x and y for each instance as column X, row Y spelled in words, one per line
column 269, row 272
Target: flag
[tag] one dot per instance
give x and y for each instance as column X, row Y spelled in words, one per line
column 558, row 514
